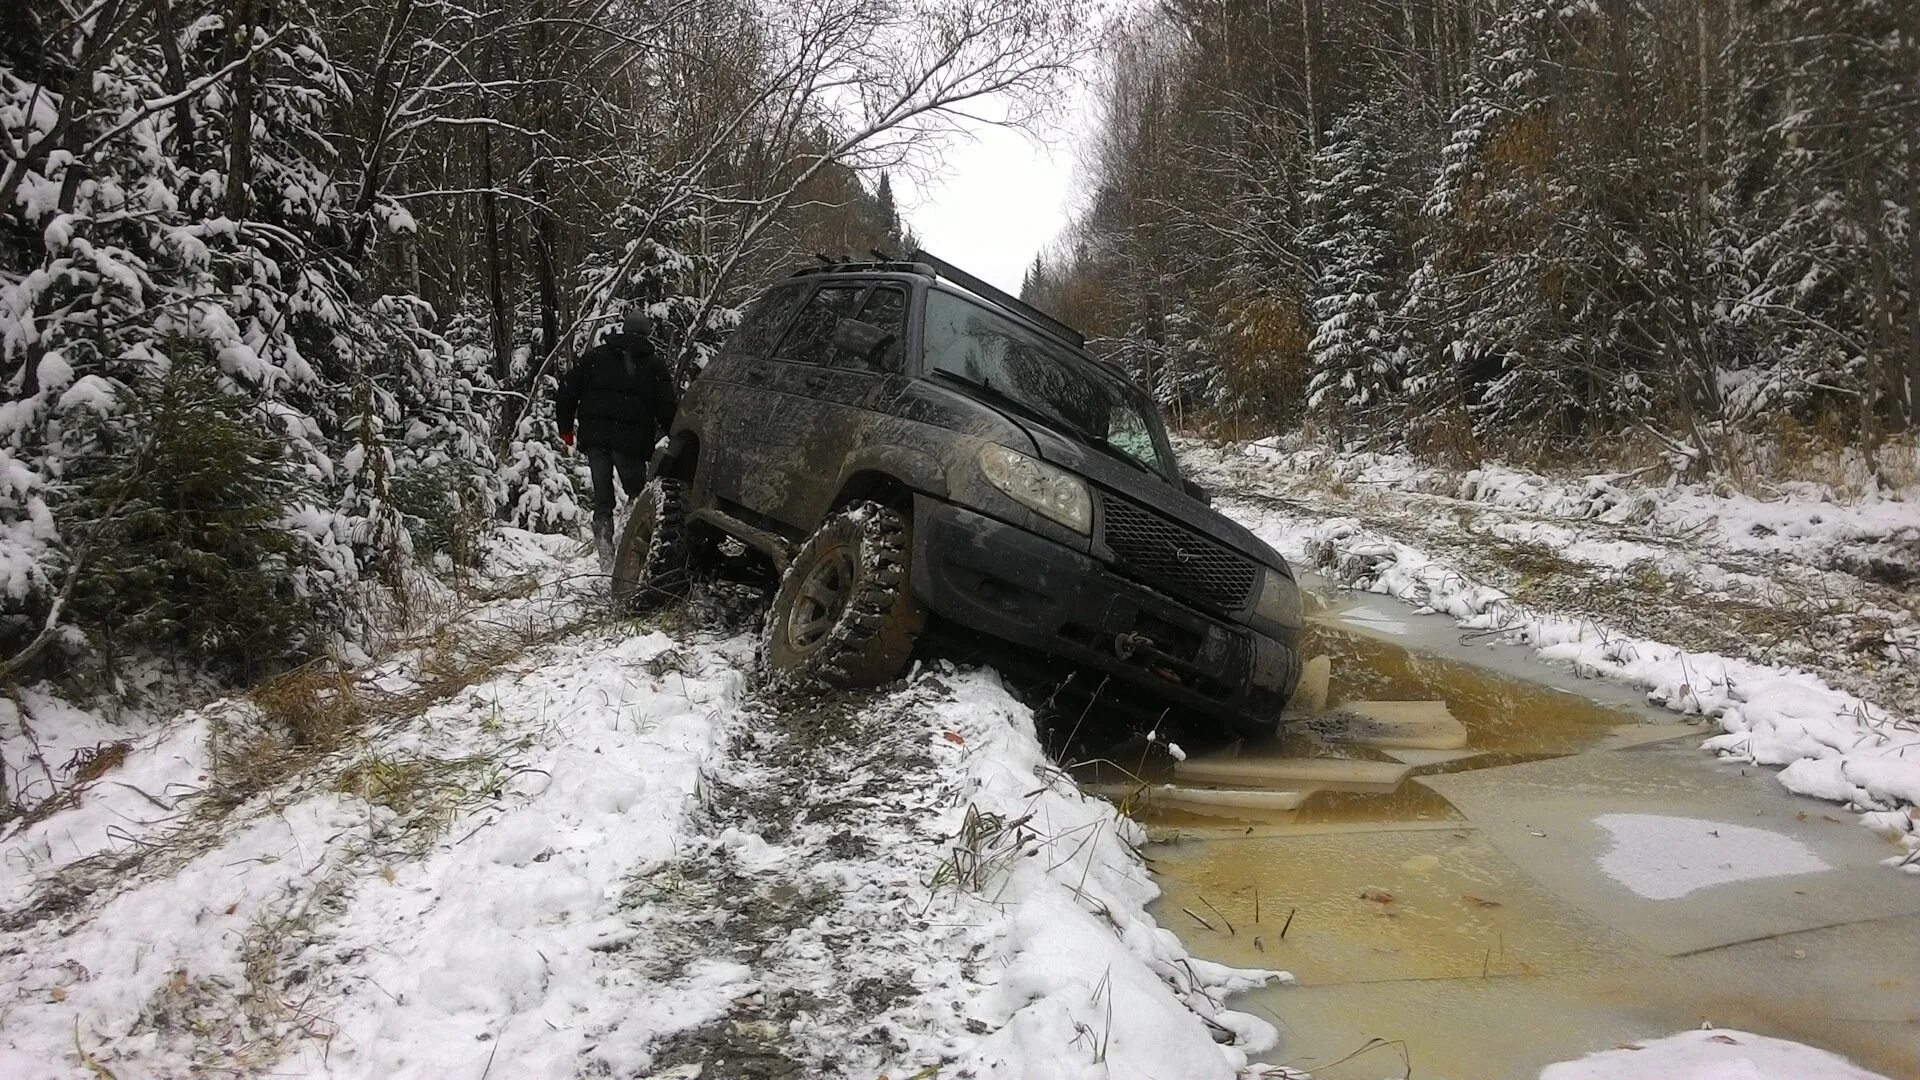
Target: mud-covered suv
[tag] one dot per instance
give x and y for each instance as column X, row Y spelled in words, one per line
column 902, row 440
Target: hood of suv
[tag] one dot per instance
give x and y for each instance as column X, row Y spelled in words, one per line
column 1151, row 491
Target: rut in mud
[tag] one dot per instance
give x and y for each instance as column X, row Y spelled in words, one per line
column 780, row 877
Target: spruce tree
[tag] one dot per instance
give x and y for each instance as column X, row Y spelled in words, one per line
column 1356, row 358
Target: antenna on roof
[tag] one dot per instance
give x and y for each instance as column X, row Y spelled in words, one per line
column 999, row 296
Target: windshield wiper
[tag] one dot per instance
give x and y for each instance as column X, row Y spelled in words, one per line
column 1116, row 452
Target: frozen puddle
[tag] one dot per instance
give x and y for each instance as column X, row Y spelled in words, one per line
column 1375, row 621
column 1665, row 858
column 1571, row 879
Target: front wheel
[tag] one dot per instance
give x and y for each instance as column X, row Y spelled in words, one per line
column 650, row 565
column 845, row 614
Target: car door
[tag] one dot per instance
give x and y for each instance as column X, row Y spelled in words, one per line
column 730, row 395
column 792, row 387
column 854, row 388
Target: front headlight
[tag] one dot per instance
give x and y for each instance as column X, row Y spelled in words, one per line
column 1279, row 600
column 1038, row 486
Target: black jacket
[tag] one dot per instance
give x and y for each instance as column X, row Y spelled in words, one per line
column 622, row 394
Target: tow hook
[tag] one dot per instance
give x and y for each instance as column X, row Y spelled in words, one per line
column 1125, row 645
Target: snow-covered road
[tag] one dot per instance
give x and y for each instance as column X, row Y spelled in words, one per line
column 609, row 856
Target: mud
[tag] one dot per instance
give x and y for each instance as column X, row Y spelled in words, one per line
column 808, row 771
column 1430, row 943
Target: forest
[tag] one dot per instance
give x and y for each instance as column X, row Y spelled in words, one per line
column 1544, row 229
column 285, row 284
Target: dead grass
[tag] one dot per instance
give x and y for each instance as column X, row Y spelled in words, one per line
column 315, row 704
column 323, row 707
column 426, row 795
column 987, row 844
column 1828, row 451
column 1539, row 568
column 243, row 1028
column 1446, row 439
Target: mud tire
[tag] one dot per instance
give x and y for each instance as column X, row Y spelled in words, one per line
column 650, row 562
column 845, row 615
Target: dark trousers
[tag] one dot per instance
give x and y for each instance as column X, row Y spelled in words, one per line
column 603, row 463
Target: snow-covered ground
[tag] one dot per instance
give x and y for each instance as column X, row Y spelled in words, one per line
column 550, row 844
column 602, row 852
column 1679, row 591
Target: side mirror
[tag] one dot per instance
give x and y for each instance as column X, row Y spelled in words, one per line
column 861, row 339
column 1197, row 491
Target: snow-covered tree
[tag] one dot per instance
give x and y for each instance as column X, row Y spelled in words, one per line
column 1356, row 355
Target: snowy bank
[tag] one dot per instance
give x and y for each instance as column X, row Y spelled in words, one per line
column 1829, row 743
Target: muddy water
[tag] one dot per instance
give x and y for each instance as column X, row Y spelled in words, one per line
column 1507, row 720
column 1502, row 714
column 1403, row 923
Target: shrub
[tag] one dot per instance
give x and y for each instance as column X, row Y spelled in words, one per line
column 181, row 506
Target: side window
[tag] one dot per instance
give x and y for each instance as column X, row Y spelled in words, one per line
column 811, row 339
column 762, row 323
column 886, row 308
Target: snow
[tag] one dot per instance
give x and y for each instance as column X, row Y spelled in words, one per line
column 1710, row 1055
column 1377, row 622
column 54, row 373
column 155, row 776
column 1090, row 986
column 1664, row 858
column 516, row 913
column 90, row 392
column 499, row 935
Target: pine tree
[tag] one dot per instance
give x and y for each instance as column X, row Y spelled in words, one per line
column 185, row 533
column 1821, row 194
column 1356, row 357
column 900, row 241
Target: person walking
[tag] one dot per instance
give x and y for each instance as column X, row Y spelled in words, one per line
column 622, row 396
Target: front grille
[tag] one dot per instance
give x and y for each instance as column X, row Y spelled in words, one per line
column 1174, row 557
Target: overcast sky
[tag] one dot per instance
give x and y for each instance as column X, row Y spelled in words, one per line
column 1001, row 197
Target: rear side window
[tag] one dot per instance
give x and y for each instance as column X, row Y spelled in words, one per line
column 886, row 308
column 762, row 324
column 811, row 339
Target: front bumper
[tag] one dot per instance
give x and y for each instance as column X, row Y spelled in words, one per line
column 1030, row 591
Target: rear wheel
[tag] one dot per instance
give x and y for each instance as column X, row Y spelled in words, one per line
column 650, row 565
column 845, row 615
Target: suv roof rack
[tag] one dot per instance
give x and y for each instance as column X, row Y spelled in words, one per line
column 920, row 262
column 999, row 296
column 898, row 266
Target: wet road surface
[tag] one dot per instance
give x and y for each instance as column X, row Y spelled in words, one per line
column 1578, row 876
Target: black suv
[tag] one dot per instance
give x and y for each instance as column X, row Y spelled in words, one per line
column 902, row 440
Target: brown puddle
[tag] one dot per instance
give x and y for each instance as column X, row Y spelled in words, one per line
column 1404, row 925
column 1502, row 715
column 1424, row 936
column 1425, row 903
column 1507, row 721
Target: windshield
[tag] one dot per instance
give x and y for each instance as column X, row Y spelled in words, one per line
column 973, row 344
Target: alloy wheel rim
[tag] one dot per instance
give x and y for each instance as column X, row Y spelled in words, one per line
column 821, row 601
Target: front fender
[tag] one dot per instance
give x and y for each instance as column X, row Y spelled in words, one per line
column 917, row 469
